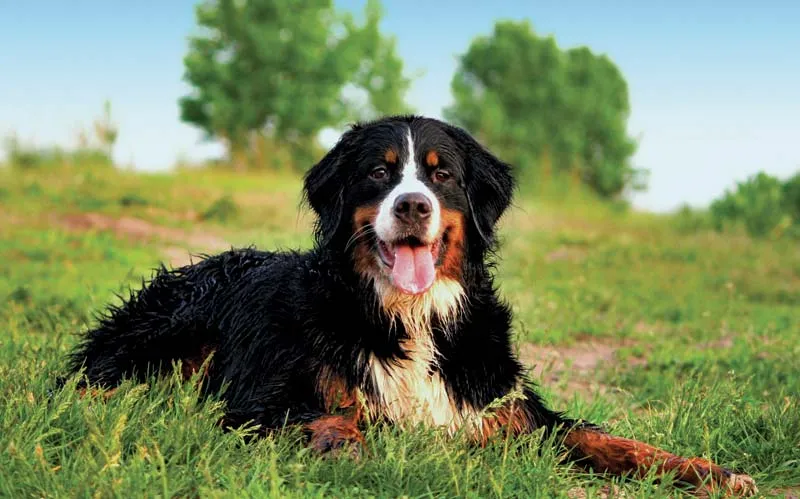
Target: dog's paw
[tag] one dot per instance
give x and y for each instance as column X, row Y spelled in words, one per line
column 334, row 445
column 729, row 485
column 741, row 485
column 335, row 436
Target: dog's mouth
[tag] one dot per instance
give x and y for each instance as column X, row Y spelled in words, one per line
column 411, row 263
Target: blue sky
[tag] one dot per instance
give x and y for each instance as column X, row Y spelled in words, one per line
column 715, row 86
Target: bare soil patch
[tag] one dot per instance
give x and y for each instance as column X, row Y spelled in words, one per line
column 142, row 230
column 787, row 493
column 605, row 492
column 576, row 365
column 571, row 254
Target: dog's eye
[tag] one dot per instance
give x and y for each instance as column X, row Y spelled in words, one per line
column 379, row 173
column 441, row 176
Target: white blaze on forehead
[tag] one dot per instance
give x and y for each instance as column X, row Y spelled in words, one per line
column 410, row 182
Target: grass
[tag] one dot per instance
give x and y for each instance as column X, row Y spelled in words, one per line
column 703, row 329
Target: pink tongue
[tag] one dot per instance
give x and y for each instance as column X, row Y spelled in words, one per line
column 413, row 270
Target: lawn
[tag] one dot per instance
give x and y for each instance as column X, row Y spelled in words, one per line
column 687, row 340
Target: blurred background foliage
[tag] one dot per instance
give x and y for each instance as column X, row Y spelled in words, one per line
column 267, row 76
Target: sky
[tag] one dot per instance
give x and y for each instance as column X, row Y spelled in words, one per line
column 714, row 85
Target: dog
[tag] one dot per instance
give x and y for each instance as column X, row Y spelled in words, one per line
column 392, row 316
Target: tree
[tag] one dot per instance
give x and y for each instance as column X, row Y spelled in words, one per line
column 278, row 69
column 541, row 106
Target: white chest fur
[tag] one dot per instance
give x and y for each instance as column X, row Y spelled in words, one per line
column 407, row 392
column 410, row 391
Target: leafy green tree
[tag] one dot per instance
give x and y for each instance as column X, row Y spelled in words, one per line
column 598, row 108
column 279, row 69
column 545, row 108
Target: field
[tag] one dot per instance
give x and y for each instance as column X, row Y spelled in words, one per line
column 687, row 340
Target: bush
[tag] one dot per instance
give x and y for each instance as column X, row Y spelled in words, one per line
column 87, row 154
column 30, row 157
column 791, row 197
column 762, row 204
column 223, row 209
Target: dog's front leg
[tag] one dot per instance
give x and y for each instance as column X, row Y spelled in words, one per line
column 623, row 456
column 337, row 428
column 588, row 445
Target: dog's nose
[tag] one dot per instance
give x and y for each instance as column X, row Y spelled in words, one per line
column 412, row 207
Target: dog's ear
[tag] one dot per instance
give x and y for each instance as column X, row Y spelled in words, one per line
column 489, row 183
column 323, row 188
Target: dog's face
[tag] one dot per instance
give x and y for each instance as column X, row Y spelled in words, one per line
column 409, row 199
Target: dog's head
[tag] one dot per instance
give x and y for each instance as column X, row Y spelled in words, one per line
column 410, row 199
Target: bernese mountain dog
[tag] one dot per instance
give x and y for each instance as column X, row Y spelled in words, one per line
column 392, row 316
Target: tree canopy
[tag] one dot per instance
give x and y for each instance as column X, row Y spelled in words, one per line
column 282, row 69
column 285, row 70
column 543, row 107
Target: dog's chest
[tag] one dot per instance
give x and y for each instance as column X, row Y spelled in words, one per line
column 410, row 391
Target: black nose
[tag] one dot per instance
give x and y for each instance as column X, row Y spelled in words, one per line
column 412, row 207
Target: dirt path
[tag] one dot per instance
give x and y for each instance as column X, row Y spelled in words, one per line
column 576, row 366
column 142, row 230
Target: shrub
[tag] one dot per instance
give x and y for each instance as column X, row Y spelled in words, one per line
column 223, row 209
column 791, row 197
column 759, row 204
column 87, row 155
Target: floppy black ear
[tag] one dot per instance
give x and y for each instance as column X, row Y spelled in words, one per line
column 323, row 188
column 489, row 184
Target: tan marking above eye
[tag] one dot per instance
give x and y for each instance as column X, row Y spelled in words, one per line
column 432, row 158
column 390, row 156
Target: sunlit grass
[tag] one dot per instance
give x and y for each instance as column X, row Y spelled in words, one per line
column 704, row 329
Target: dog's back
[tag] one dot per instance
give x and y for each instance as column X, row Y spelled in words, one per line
column 180, row 314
